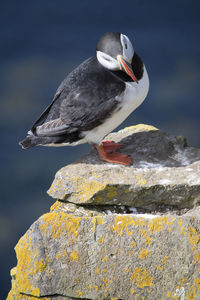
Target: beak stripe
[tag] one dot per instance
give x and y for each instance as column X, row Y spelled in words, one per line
column 128, row 70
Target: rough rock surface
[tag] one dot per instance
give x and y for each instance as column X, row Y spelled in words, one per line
column 165, row 172
column 118, row 232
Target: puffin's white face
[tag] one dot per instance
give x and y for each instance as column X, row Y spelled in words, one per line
column 114, row 63
column 108, row 61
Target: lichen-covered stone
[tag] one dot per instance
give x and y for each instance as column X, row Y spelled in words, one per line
column 165, row 172
column 109, row 257
column 99, row 240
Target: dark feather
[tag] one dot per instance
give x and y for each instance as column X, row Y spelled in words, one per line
column 83, row 101
column 44, row 116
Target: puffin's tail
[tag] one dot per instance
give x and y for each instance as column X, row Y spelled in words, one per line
column 33, row 140
column 29, row 142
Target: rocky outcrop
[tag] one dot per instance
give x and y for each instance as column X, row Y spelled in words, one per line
column 165, row 172
column 118, row 232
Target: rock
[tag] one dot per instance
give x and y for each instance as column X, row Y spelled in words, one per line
column 109, row 257
column 118, row 232
column 165, row 173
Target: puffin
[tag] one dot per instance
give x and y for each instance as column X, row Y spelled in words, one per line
column 94, row 99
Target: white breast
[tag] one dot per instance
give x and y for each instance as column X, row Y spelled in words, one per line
column 130, row 99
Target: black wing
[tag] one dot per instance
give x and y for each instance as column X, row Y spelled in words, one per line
column 83, row 101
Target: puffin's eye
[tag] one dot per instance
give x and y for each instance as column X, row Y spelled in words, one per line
column 106, row 58
column 126, row 46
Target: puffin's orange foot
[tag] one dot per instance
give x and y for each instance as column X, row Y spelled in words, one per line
column 110, row 146
column 118, row 158
column 113, row 157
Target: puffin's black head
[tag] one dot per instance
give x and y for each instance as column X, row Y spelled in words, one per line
column 115, row 52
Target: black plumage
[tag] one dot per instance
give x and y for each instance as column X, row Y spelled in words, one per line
column 85, row 98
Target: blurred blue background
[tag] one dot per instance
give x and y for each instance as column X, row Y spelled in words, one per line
column 41, row 42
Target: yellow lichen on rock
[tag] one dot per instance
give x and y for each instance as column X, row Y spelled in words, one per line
column 85, row 189
column 197, row 256
column 159, row 223
column 79, row 293
column 144, row 253
column 97, row 270
column 74, row 256
column 124, row 222
column 132, row 291
column 56, row 206
column 29, row 264
column 97, row 220
column 140, row 180
column 141, row 278
column 105, row 259
column 58, row 222
column 105, row 284
column 144, row 234
column 163, row 263
column 192, row 293
column 193, row 237
column 101, row 240
column 197, row 283
column 138, row 127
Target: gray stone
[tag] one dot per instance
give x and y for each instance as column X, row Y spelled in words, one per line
column 109, row 257
column 165, row 173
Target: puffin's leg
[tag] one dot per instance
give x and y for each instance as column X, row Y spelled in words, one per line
column 110, row 146
column 113, row 157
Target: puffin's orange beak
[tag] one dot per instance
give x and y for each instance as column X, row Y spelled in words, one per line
column 127, row 68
